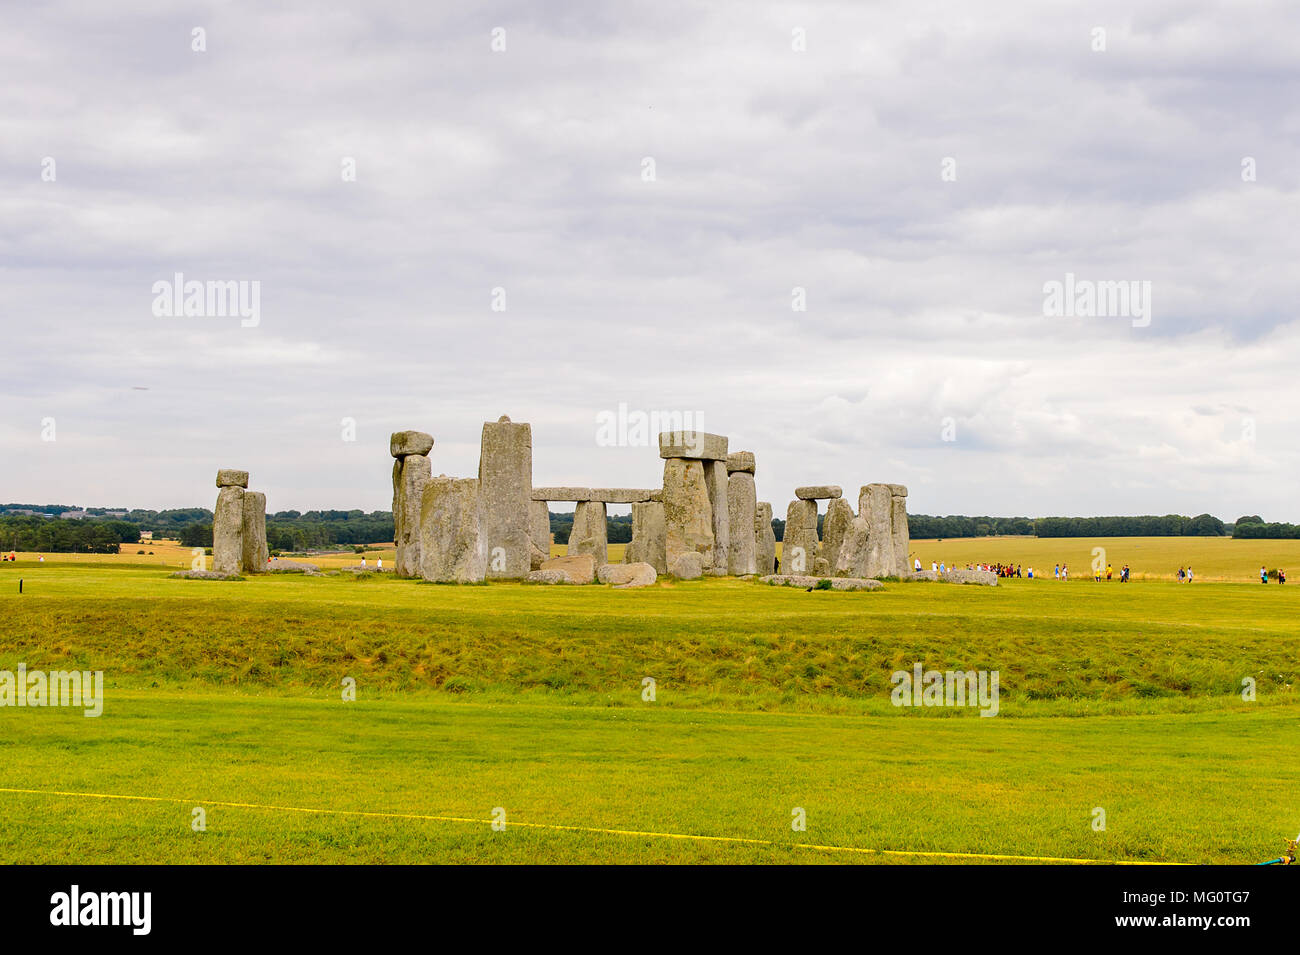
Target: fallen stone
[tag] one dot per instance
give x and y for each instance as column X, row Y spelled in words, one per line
column 627, row 575
column 505, row 474
column 203, row 575
column 580, row 568
column 697, row 445
column 548, row 577
column 740, row 461
column 403, row 443
column 818, row 492
column 452, row 548
column 932, row 575
column 688, row 517
column 742, row 505
column 648, row 537
column 689, row 565
column 960, row 575
column 228, row 477
column 808, row 580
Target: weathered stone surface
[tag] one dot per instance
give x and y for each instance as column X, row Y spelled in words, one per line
column 839, row 515
column 202, row 575
column 688, row 517
column 855, row 550
column 689, row 565
column 764, row 539
column 410, row 475
column 898, row 490
column 818, row 492
column 799, row 546
column 505, row 473
column 875, row 504
column 539, row 533
column 648, row 537
column 229, row 477
column 715, row 479
column 932, row 575
column 622, row 495
column 589, row 534
column 898, row 528
column 228, row 530
column 697, row 445
column 822, row 567
column 548, row 577
column 580, row 568
column 960, row 575
column 627, row 575
column 403, row 443
column 452, row 547
column 255, row 552
column 742, row 505
column 561, row 494
column 740, row 461
column 807, row 580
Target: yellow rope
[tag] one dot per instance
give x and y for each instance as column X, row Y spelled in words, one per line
column 592, row 829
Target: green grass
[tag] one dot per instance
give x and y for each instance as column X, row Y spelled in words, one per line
column 1020, row 787
column 1120, row 697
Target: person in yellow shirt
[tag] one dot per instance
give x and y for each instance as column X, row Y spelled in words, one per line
column 1109, row 571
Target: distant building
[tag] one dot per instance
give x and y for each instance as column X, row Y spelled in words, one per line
column 72, row 515
column 146, row 535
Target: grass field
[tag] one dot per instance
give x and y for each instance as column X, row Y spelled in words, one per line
column 1119, row 697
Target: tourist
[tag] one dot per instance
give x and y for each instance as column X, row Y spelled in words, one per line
column 1109, row 570
column 1263, row 574
column 1031, row 573
column 379, row 563
column 1181, row 575
column 934, row 568
column 363, row 561
column 1056, row 571
column 917, row 565
column 1189, row 573
column 1281, row 576
column 1065, row 571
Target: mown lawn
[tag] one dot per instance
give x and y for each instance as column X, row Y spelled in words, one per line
column 1125, row 699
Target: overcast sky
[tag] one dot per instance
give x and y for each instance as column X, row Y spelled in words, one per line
column 919, row 169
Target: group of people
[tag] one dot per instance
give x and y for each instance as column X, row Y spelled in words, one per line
column 1263, row 575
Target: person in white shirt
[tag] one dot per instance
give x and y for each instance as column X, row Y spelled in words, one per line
column 934, row 567
column 918, row 565
column 379, row 563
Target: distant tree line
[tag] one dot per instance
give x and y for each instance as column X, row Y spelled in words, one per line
column 81, row 536
column 1252, row 527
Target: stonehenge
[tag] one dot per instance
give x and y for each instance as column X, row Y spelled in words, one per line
column 704, row 520
column 238, row 526
column 411, row 471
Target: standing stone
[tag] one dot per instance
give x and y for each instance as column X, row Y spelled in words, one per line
column 715, row 479
column 505, row 474
column 799, row 545
column 742, row 505
column 898, row 527
column 228, row 530
column 410, row 475
column 764, row 539
column 539, row 530
column 452, row 546
column 855, row 550
column 839, row 514
column 688, row 518
column 590, row 532
column 875, row 504
column 648, row 537
column 253, row 530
